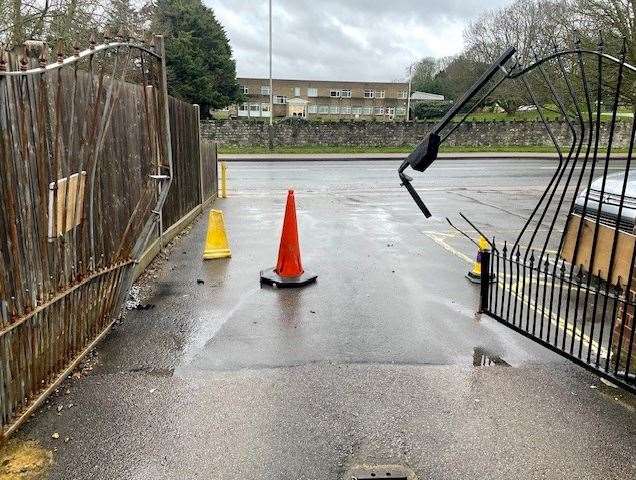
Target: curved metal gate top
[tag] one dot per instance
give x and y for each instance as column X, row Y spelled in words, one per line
column 85, row 164
column 567, row 279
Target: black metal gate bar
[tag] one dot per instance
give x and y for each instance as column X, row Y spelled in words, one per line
column 493, row 258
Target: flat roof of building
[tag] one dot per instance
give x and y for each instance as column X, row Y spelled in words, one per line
column 321, row 81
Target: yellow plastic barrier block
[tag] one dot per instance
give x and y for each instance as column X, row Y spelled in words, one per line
column 216, row 243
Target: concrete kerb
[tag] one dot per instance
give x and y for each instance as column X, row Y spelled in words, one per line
column 318, row 157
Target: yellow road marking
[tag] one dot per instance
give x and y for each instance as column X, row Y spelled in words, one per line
column 440, row 239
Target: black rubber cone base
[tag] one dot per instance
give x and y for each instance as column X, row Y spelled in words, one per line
column 477, row 278
column 270, row 277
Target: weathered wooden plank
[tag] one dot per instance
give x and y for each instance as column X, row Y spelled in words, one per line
column 606, row 234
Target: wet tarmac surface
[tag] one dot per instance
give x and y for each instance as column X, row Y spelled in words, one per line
column 382, row 361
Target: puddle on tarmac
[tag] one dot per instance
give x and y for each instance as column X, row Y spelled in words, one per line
column 484, row 358
column 24, row 460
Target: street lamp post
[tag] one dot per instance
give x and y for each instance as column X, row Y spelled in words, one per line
column 271, row 83
column 408, row 98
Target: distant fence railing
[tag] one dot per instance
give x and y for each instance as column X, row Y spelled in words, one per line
column 86, row 167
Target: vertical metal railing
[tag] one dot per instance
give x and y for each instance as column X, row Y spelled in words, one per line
column 566, row 279
column 595, row 344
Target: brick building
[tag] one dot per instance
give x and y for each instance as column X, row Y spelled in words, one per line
column 382, row 101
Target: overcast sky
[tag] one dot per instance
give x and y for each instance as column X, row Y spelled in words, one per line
column 344, row 39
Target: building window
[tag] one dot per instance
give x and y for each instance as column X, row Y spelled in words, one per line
column 369, row 94
column 379, row 110
column 323, row 109
column 243, row 107
column 345, row 110
column 255, row 107
column 333, row 109
column 379, row 94
column 368, row 110
column 265, row 90
column 280, row 99
column 403, row 94
column 312, row 109
column 334, row 93
column 356, row 110
column 401, row 111
column 244, row 90
column 296, row 91
column 390, row 111
column 312, row 92
column 346, row 93
column 264, row 107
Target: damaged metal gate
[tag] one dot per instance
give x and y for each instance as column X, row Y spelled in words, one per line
column 85, row 167
column 567, row 279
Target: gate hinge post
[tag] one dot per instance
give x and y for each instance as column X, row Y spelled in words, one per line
column 485, row 280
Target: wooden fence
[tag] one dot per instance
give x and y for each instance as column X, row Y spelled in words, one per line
column 86, row 164
column 209, row 162
column 194, row 164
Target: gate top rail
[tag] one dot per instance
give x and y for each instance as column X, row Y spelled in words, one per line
column 517, row 72
column 61, row 62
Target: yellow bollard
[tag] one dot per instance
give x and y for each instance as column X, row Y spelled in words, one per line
column 475, row 273
column 216, row 243
column 223, row 180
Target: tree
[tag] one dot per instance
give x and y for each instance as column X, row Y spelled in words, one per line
column 73, row 21
column 533, row 27
column 122, row 17
column 460, row 73
column 611, row 19
column 431, row 110
column 536, row 27
column 198, row 55
column 68, row 21
column 425, row 74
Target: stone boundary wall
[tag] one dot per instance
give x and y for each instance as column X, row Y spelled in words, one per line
column 246, row 133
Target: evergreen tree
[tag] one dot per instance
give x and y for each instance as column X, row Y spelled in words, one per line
column 198, row 55
column 123, row 18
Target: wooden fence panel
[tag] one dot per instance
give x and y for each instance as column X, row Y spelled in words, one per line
column 185, row 191
column 66, row 250
column 209, row 163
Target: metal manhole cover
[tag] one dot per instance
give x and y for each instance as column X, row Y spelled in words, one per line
column 375, row 472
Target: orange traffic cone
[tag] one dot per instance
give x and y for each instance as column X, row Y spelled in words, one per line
column 289, row 269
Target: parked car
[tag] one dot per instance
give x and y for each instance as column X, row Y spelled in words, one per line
column 610, row 202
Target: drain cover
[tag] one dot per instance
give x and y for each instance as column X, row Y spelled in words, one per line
column 375, row 472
